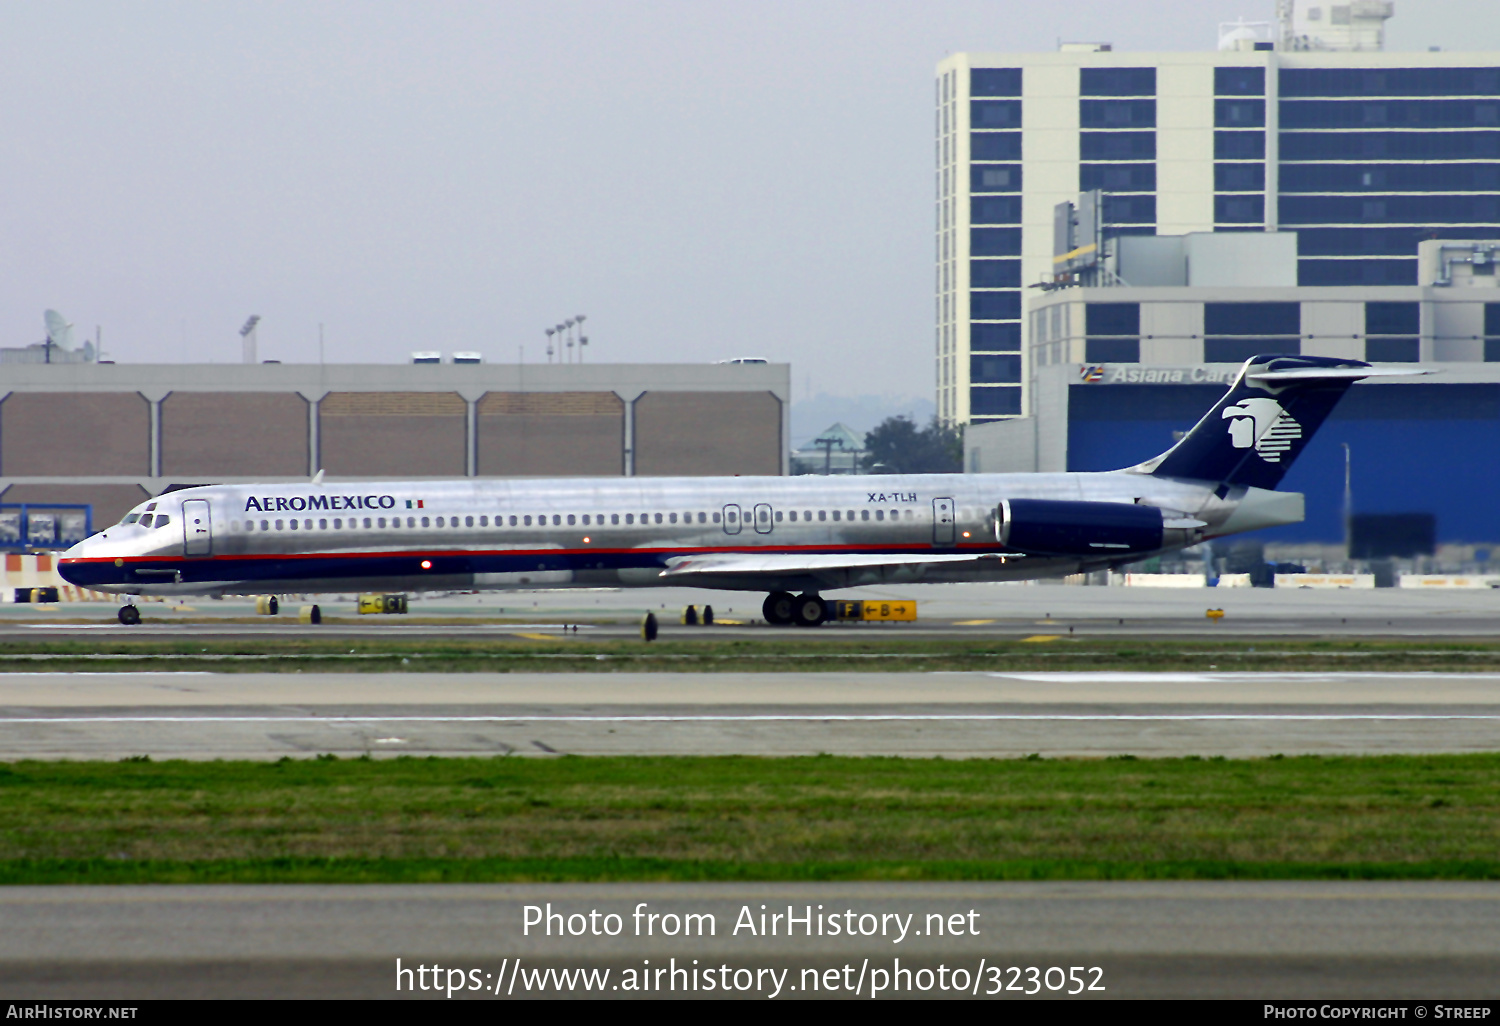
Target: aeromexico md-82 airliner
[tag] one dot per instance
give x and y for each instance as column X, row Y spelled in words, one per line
column 791, row 537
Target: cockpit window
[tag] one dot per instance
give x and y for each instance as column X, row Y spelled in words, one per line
column 162, row 520
column 146, row 520
column 131, row 518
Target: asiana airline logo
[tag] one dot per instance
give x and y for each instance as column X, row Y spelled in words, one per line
column 1263, row 424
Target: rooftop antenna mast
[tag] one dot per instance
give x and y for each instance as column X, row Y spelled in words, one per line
column 247, row 340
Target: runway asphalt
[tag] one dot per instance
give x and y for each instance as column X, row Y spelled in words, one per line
column 267, row 716
column 964, row 610
column 1185, row 939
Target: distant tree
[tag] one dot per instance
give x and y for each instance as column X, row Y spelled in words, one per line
column 898, row 446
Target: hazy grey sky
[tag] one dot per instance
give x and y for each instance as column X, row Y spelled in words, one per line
column 703, row 180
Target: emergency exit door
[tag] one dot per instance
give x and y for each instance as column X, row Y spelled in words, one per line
column 197, row 530
column 943, row 527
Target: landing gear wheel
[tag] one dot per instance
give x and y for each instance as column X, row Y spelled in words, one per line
column 779, row 609
column 129, row 615
column 809, row 610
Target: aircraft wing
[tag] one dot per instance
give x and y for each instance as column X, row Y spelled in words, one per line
column 739, row 564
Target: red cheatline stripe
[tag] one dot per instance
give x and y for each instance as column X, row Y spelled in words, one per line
column 831, row 550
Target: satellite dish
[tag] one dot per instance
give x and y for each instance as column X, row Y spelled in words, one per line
column 59, row 331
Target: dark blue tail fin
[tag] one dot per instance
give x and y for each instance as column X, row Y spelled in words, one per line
column 1263, row 422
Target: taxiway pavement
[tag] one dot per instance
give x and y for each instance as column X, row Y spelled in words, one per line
column 270, row 715
column 1155, row 939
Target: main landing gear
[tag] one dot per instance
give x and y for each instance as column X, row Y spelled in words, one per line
column 781, row 609
column 129, row 615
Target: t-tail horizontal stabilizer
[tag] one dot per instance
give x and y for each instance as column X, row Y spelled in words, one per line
column 1264, row 421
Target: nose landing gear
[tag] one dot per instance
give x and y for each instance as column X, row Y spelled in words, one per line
column 129, row 615
column 807, row 610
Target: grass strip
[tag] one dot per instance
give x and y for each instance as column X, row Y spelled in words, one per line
column 817, row 651
column 745, row 818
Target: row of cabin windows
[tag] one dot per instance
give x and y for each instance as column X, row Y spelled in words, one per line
column 572, row 520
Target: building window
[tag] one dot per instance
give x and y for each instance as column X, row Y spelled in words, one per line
column 995, row 274
column 995, row 401
column 1239, row 209
column 994, row 306
column 1240, row 146
column 1118, row 145
column 995, row 146
column 1239, row 113
column 995, row 368
column 1117, row 113
column 1356, row 272
column 1129, row 209
column 995, row 178
column 1389, row 145
column 995, row 338
column 995, row 113
column 995, row 210
column 1112, row 319
column 1392, row 318
column 995, row 242
column 1238, row 350
column 1117, row 177
column 1389, row 81
column 1242, row 177
column 1112, row 350
column 1252, row 318
column 1395, row 113
column 995, row 82
column 1407, row 209
column 1116, row 81
column 1240, row 81
column 1393, row 350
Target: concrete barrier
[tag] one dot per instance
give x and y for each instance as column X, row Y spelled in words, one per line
column 1164, row 580
column 28, row 571
column 1448, row 581
column 1325, row 580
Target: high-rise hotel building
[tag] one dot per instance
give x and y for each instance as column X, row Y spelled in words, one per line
column 1305, row 126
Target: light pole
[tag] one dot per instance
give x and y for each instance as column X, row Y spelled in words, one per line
column 562, row 341
column 583, row 339
column 550, row 333
column 1348, row 505
column 569, row 325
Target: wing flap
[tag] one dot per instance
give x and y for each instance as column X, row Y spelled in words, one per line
column 739, row 564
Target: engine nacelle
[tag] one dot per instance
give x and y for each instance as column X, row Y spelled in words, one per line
column 1051, row 527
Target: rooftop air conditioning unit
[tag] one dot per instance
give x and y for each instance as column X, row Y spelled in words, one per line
column 423, row 357
column 468, row 357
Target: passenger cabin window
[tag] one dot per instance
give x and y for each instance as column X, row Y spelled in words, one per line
column 424, row 522
column 716, row 518
column 294, row 525
column 630, row 518
column 851, row 514
column 792, row 516
column 880, row 514
column 556, row 520
column 469, row 521
column 265, row 525
column 671, row 517
column 279, row 524
column 513, row 520
column 822, row 514
column 614, row 518
column 658, row 518
column 778, row 516
column 835, row 514
column 807, row 514
column 338, row 523
column 571, row 520
column 864, row 514
column 322, row 525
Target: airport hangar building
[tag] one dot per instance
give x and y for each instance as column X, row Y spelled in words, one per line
column 1118, row 371
column 111, row 435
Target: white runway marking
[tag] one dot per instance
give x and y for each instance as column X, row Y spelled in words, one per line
column 778, row 718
